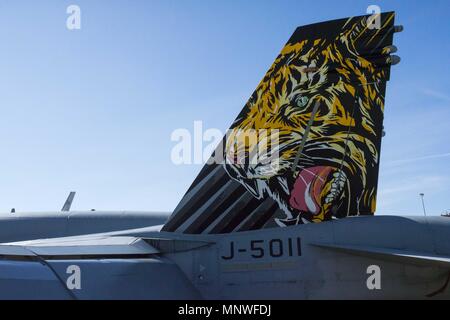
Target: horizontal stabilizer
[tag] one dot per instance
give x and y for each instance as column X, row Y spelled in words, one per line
column 87, row 246
column 388, row 254
column 97, row 246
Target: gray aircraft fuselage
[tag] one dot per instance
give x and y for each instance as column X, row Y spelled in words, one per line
column 40, row 225
column 280, row 263
column 286, row 263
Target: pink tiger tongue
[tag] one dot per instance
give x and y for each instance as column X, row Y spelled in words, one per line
column 308, row 187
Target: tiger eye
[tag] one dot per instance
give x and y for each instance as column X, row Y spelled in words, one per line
column 302, row 101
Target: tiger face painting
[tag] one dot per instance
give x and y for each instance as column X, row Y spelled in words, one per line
column 306, row 146
column 335, row 85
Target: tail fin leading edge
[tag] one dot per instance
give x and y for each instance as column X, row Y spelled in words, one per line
column 315, row 124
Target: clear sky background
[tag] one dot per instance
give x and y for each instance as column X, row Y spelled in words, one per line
column 92, row 110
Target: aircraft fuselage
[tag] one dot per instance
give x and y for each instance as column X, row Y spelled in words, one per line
column 44, row 225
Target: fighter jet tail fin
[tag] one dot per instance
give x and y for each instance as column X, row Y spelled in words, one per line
column 306, row 146
column 68, row 203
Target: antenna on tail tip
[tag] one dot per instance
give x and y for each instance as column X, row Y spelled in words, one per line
column 393, row 60
column 390, row 49
column 398, row 29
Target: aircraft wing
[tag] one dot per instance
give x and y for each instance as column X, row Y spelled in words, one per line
column 388, row 254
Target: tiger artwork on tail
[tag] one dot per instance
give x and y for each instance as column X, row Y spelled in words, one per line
column 342, row 77
column 306, row 146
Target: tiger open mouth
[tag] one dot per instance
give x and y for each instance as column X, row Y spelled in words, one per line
column 316, row 186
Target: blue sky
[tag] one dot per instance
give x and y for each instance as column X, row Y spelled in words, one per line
column 92, row 110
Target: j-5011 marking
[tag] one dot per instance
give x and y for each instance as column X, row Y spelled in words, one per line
column 258, row 249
